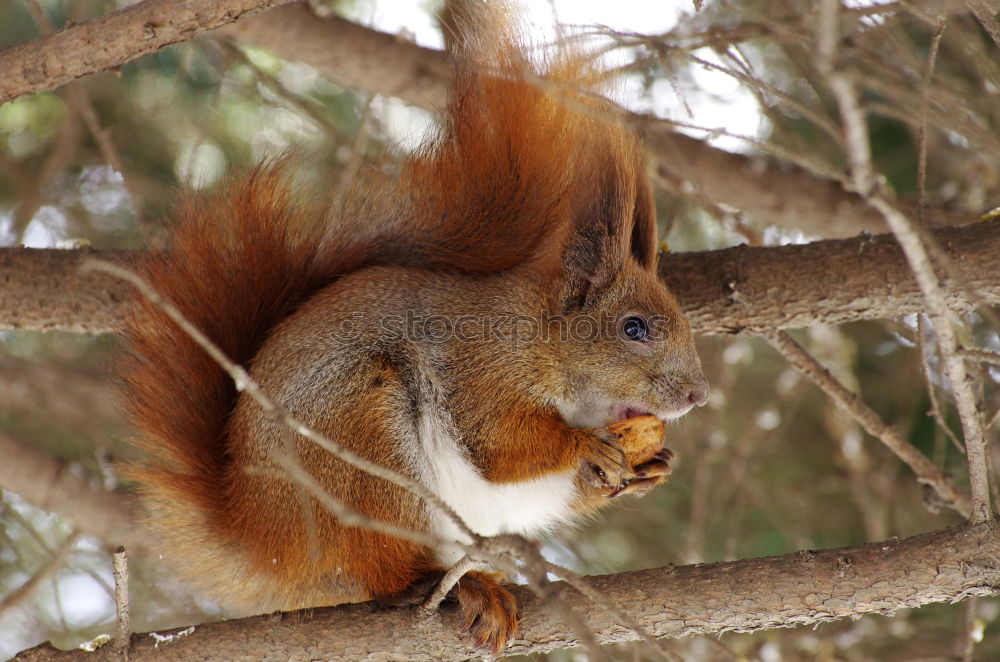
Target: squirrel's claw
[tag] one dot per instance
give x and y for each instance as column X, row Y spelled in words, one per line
column 638, row 488
column 658, row 466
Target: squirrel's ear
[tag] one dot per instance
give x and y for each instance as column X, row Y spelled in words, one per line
column 643, row 242
column 594, row 256
column 614, row 219
column 599, row 246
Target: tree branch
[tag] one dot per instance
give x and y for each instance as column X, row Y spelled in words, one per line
column 935, row 292
column 926, row 471
column 733, row 290
column 54, row 485
column 46, row 572
column 755, row 290
column 44, row 290
column 771, row 191
column 110, row 41
column 795, row 589
column 774, row 192
column 360, row 57
column 352, row 55
column 70, row 396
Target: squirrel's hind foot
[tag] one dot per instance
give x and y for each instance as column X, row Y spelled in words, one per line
column 489, row 611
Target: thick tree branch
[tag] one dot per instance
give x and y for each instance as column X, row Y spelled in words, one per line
column 754, row 290
column 110, row 41
column 795, row 589
column 771, row 191
column 352, row 55
column 741, row 289
column 43, row 290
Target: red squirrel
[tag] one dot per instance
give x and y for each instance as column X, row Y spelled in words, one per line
column 474, row 322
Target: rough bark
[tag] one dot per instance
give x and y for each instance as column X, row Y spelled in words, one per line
column 110, row 41
column 44, row 290
column 752, row 290
column 734, row 290
column 795, row 589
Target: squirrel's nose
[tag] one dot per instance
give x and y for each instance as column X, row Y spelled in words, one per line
column 698, row 393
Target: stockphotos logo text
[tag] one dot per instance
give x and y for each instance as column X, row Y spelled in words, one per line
column 511, row 329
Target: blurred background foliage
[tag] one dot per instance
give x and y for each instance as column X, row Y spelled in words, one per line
column 769, row 467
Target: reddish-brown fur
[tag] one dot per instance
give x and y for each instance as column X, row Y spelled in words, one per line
column 489, row 611
column 527, row 179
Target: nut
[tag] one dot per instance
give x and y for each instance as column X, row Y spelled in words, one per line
column 640, row 437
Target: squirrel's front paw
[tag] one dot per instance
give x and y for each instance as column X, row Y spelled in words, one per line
column 648, row 475
column 602, row 460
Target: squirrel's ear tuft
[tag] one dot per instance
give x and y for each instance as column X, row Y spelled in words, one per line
column 643, row 242
column 609, row 224
column 614, row 220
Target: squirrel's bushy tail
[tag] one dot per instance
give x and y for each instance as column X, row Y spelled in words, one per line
column 239, row 261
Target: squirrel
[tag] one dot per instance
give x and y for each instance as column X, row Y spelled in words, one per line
column 474, row 321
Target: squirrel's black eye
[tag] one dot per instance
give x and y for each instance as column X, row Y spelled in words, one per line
column 635, row 328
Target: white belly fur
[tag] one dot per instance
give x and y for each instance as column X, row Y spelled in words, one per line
column 528, row 508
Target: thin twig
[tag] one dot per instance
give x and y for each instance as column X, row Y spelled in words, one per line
column 349, row 516
column 99, row 579
column 900, row 99
column 867, row 484
column 783, row 98
column 993, row 420
column 980, row 355
column 804, row 161
column 985, row 14
column 925, row 470
column 925, row 369
column 79, row 100
column 515, row 554
column 345, row 185
column 956, row 369
column 54, row 564
column 543, row 588
column 123, row 628
column 967, row 643
column 33, row 188
column 925, row 96
column 301, row 496
column 856, row 146
column 456, row 572
column 271, row 83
